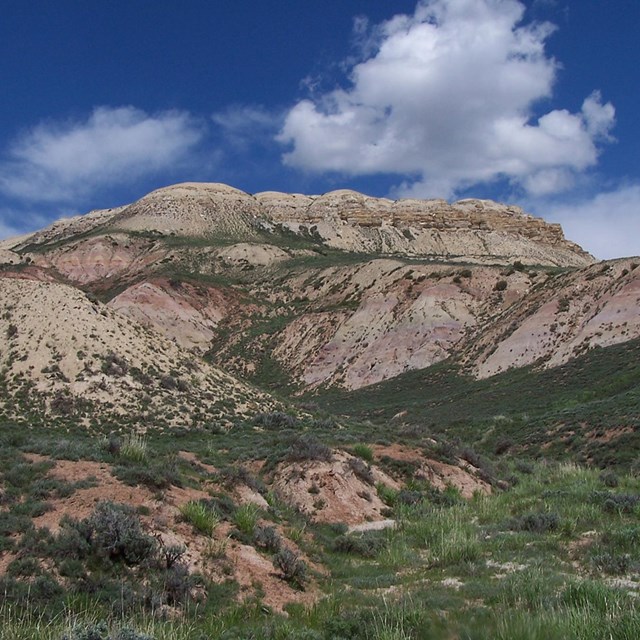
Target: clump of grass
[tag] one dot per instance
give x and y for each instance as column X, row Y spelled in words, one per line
column 246, row 518
column 134, row 448
column 201, row 516
column 448, row 534
column 363, row 451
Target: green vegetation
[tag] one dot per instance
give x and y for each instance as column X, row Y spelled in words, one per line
column 572, row 411
column 555, row 557
column 203, row 518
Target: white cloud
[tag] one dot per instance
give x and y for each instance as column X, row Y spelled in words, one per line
column 447, row 97
column 61, row 162
column 607, row 225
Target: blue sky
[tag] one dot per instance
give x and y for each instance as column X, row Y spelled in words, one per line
column 531, row 102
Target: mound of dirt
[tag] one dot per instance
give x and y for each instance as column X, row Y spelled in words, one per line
column 340, row 490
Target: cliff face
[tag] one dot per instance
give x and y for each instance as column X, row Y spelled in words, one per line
column 469, row 230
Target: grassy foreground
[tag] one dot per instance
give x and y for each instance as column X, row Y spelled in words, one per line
column 555, row 555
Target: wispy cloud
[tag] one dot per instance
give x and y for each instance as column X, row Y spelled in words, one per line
column 448, row 95
column 68, row 161
column 245, row 126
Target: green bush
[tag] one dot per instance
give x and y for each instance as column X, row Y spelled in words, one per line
column 536, row 522
column 246, row 518
column 501, row 285
column 158, row 475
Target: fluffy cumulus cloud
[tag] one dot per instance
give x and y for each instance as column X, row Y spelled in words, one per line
column 448, row 97
column 64, row 162
column 608, row 224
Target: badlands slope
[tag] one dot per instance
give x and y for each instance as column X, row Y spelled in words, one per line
column 68, row 355
column 339, row 289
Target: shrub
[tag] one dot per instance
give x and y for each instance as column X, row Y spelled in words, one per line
column 201, row 516
column 100, row 631
column 501, row 285
column 116, row 534
column 114, row 365
column 367, row 545
column 172, row 553
column 536, row 522
column 154, row 477
column 502, row 446
column 612, row 563
column 72, row 541
column 233, row 476
column 524, row 466
column 361, row 470
column 275, row 420
column 177, row 584
column 308, row 448
column 621, row 503
column 267, row 538
column 292, row 568
column 609, row 479
column 23, row 567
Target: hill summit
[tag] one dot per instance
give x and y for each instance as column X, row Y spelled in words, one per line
column 477, row 231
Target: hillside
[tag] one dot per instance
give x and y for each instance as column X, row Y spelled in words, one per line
column 282, row 416
column 344, row 290
column 66, row 356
